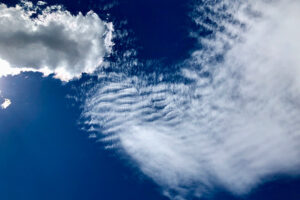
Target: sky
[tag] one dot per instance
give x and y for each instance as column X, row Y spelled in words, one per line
column 129, row 99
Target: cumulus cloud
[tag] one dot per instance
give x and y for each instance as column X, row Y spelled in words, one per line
column 238, row 120
column 50, row 39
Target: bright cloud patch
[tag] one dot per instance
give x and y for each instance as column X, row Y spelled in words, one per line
column 5, row 104
column 51, row 40
column 235, row 124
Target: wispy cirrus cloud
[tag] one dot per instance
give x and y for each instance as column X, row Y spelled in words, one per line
column 50, row 39
column 234, row 124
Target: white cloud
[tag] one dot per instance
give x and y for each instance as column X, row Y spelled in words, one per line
column 53, row 41
column 232, row 128
column 5, row 103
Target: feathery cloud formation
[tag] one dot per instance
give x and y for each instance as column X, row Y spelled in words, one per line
column 235, row 124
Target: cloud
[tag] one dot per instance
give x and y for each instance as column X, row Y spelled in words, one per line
column 5, row 104
column 50, row 39
column 238, row 120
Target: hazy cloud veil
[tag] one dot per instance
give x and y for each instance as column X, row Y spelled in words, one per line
column 238, row 119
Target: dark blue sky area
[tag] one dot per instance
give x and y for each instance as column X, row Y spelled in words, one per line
column 44, row 155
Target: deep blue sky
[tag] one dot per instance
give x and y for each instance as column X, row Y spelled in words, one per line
column 43, row 152
column 44, row 155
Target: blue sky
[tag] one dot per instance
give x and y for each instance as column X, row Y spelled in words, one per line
column 44, row 155
column 149, row 100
